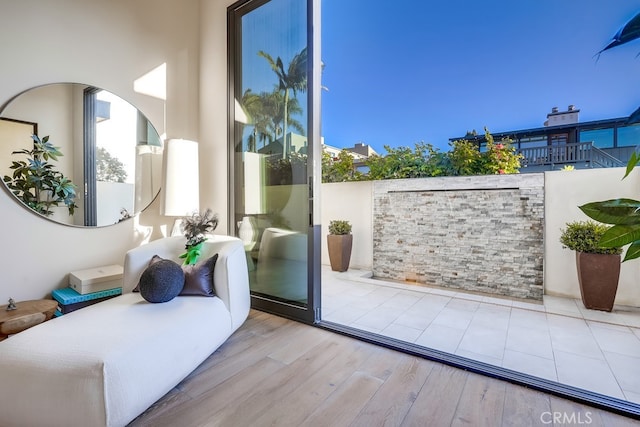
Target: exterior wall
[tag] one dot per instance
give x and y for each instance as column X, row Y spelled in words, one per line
column 564, row 192
column 351, row 201
column 475, row 233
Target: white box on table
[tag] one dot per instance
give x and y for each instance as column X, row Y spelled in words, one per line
column 96, row 279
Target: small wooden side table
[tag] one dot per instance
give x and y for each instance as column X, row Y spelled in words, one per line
column 26, row 315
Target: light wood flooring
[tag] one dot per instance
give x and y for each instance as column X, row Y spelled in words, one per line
column 276, row 372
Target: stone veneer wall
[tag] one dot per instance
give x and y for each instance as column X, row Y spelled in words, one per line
column 480, row 233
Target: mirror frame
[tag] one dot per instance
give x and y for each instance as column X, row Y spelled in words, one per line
column 88, row 151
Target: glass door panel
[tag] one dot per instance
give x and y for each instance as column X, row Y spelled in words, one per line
column 272, row 134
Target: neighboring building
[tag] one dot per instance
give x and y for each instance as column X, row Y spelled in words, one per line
column 565, row 140
column 363, row 150
column 555, row 117
column 360, row 153
column 333, row 151
column 296, row 144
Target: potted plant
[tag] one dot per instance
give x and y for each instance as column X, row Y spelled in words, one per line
column 598, row 267
column 36, row 182
column 195, row 228
column 339, row 242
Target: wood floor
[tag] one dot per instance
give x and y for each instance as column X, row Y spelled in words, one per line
column 276, row 372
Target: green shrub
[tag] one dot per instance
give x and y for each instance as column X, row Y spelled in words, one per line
column 500, row 158
column 425, row 160
column 403, row 162
column 340, row 168
column 465, row 158
column 339, row 227
column 583, row 236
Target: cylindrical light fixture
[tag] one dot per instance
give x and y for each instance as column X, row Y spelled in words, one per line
column 181, row 187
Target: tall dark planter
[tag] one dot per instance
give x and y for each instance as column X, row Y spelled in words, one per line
column 339, row 246
column 598, row 276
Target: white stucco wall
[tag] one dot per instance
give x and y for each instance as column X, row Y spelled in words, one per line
column 564, row 192
column 351, row 201
column 109, row 45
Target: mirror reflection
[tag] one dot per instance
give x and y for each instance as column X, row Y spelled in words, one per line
column 79, row 155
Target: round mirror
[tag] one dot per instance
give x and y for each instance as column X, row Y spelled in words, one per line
column 79, row 155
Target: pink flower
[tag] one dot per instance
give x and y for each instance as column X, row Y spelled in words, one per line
column 499, row 146
column 501, row 171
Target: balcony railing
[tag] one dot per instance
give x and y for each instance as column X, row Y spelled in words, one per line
column 581, row 152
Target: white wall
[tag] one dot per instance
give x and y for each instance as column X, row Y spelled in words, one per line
column 108, row 44
column 214, row 172
column 112, row 198
column 351, row 201
column 564, row 192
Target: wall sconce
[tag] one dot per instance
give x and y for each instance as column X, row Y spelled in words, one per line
column 181, row 180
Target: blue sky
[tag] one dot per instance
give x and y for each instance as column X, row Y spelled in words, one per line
column 407, row 71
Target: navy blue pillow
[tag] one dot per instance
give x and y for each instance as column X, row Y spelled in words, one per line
column 162, row 281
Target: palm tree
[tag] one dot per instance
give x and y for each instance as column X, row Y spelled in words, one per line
column 254, row 106
column 273, row 104
column 294, row 78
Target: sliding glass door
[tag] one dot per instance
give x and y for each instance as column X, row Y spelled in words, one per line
column 275, row 150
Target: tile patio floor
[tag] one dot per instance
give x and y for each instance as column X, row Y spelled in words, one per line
column 559, row 340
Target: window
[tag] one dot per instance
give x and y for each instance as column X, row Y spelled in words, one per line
column 601, row 138
column 629, row 136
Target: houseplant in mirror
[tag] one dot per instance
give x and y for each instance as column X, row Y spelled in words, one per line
column 37, row 183
column 598, row 267
column 339, row 243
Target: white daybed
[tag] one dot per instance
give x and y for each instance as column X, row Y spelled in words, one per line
column 105, row 364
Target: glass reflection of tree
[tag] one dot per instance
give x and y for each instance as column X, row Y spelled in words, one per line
column 293, row 79
column 108, row 167
column 267, row 112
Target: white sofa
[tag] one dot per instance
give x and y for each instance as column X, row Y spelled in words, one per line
column 105, row 364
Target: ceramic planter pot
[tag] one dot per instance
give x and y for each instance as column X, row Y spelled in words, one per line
column 339, row 246
column 598, row 276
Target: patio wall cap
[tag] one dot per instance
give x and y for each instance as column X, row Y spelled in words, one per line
column 481, row 182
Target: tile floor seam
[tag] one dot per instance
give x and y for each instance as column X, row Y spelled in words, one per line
column 555, row 329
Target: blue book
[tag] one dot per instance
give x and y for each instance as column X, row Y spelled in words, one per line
column 67, row 296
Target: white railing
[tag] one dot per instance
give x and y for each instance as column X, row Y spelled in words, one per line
column 552, row 155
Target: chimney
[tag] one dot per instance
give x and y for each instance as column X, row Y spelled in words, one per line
column 554, row 110
column 572, row 107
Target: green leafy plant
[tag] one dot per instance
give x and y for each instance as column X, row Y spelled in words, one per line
column 584, row 236
column 339, row 227
column 500, row 158
column 194, row 228
column 340, row 168
column 623, row 214
column 465, row 158
column 37, row 183
column 403, row 162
